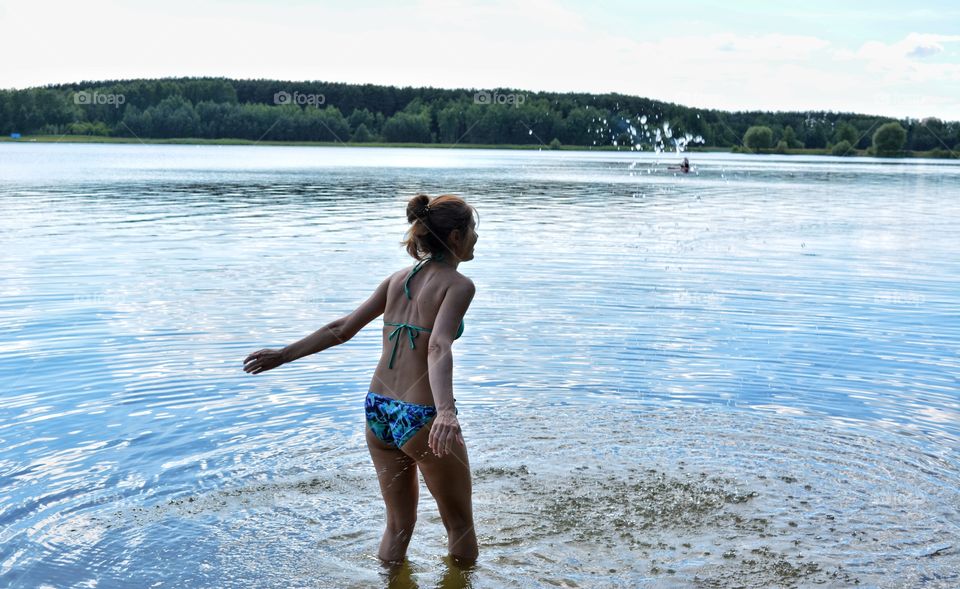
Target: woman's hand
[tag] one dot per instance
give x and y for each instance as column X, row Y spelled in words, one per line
column 444, row 431
column 262, row 361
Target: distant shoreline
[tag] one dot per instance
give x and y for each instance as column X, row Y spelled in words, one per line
column 201, row 141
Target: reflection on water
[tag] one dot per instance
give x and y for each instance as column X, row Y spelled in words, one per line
column 403, row 575
column 745, row 376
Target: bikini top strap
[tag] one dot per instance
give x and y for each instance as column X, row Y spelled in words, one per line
column 406, row 287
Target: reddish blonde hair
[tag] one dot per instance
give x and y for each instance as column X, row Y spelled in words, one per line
column 429, row 231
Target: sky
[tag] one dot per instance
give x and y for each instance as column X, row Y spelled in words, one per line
column 900, row 59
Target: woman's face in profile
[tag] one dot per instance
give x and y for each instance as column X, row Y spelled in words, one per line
column 470, row 241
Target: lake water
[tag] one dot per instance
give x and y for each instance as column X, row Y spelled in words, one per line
column 744, row 376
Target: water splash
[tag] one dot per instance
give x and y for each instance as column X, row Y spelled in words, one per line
column 642, row 132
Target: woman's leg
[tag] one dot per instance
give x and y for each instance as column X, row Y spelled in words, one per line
column 448, row 479
column 400, row 487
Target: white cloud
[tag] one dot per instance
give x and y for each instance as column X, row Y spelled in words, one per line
column 907, row 61
column 914, row 45
column 921, row 51
column 920, row 46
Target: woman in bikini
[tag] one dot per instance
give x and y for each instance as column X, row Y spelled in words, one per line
column 411, row 418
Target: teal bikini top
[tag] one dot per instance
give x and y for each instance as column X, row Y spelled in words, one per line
column 413, row 330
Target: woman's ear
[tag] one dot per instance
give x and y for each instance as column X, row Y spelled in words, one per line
column 457, row 237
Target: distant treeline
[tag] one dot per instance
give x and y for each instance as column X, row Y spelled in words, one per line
column 276, row 110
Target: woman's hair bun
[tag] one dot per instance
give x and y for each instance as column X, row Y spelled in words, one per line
column 417, row 207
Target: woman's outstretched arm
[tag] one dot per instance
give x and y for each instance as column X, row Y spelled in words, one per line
column 336, row 332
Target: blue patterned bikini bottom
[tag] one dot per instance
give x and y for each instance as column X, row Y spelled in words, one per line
column 394, row 421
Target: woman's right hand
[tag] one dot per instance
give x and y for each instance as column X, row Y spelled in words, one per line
column 263, row 360
column 444, row 431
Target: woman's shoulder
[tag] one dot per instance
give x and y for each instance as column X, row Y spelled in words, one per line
column 464, row 280
column 463, row 284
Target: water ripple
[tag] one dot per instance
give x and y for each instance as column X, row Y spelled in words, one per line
column 746, row 376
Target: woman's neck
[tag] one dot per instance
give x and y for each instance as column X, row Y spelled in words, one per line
column 445, row 259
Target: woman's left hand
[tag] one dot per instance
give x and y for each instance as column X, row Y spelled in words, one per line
column 263, row 360
column 444, row 432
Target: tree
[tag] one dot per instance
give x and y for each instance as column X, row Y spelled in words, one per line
column 758, row 137
column 846, row 132
column 450, row 123
column 889, row 139
column 816, row 136
column 361, row 135
column 405, row 127
column 316, row 124
column 579, row 126
column 171, row 117
column 361, row 116
column 842, row 148
column 138, row 123
column 790, row 136
column 926, row 135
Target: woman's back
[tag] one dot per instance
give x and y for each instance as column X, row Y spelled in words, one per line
column 414, row 297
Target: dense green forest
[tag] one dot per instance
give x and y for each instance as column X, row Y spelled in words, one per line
column 275, row 110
